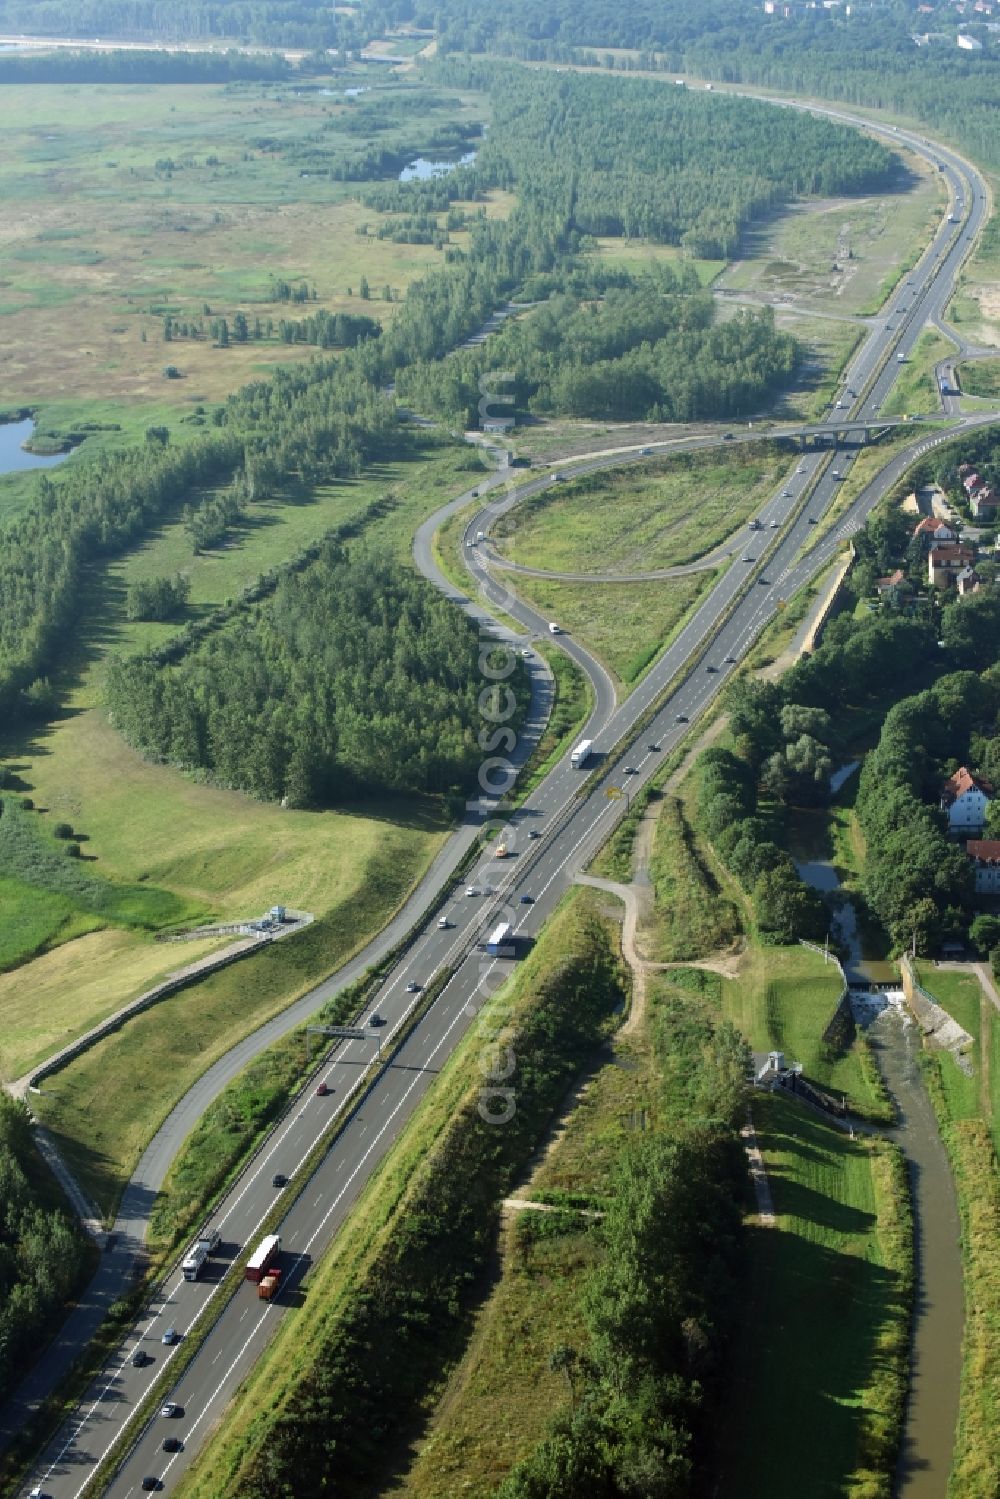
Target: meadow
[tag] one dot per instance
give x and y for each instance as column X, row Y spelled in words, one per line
column 661, row 513
column 216, row 196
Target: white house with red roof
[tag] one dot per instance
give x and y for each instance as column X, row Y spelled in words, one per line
column 966, row 799
column 931, row 530
column 985, row 856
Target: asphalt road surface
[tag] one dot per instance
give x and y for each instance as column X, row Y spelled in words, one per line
column 551, row 837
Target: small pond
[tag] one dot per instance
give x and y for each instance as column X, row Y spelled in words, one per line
column 14, row 457
column 422, row 170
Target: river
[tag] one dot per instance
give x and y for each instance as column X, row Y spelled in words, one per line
column 936, row 1358
column 14, row 457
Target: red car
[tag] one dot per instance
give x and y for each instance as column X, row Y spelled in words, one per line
column 322, row 1091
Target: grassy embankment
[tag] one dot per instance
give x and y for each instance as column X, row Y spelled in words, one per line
column 448, row 1173
column 968, row 1110
column 975, row 308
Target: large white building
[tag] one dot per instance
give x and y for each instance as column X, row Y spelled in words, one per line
column 966, row 798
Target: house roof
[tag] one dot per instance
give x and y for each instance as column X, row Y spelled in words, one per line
column 984, row 850
column 893, row 580
column 962, row 781
column 949, row 552
column 931, row 526
column 971, row 482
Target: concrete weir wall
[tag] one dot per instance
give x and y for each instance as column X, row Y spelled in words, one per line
column 936, row 1024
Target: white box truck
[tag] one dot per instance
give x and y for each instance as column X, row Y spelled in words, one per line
column 498, row 939
column 581, row 754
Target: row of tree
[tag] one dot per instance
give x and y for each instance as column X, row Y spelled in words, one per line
column 354, row 679
column 43, row 1256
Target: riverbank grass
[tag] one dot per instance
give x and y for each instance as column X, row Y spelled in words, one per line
column 819, row 1364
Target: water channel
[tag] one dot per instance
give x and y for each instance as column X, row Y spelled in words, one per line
column 936, row 1356
column 14, row 457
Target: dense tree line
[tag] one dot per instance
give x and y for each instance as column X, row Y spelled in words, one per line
column 43, row 1255
column 649, row 350
column 354, row 679
column 786, row 908
column 786, row 741
column 91, row 511
column 130, row 66
column 286, row 23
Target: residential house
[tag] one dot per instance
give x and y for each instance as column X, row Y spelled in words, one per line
column 931, row 530
column 985, row 856
column 946, row 561
column 968, row 581
column 894, row 587
column 965, row 798
column 971, row 483
column 969, row 43
column 985, row 503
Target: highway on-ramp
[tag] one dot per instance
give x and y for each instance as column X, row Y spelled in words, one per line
column 572, row 815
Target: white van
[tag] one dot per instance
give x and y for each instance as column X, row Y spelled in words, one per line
column 553, row 629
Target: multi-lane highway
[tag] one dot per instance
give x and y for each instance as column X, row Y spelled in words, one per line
column 552, row 836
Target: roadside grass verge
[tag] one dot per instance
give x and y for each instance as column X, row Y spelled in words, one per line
column 105, row 1105
column 661, row 513
column 574, row 702
column 980, row 377
column 829, row 347
column 821, row 1362
column 915, row 388
column 693, row 915
column 420, row 1238
column 626, row 626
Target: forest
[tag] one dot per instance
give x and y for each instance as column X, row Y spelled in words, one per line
column 286, row 23
column 43, row 1255
column 864, row 57
column 355, row 679
column 128, row 66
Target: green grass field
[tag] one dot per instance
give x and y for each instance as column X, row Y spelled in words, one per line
column 105, row 1105
column 822, row 1304
column 968, row 1112
column 980, row 377
column 642, row 517
column 625, row 625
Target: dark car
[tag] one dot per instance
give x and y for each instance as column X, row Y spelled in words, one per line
column 322, row 1090
column 279, row 1179
column 710, row 667
column 764, row 582
column 150, row 1485
column 681, row 718
column 653, row 748
column 140, row 1358
column 727, row 437
column 730, row 660
column 173, row 1444
column 534, row 833
column 527, row 900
